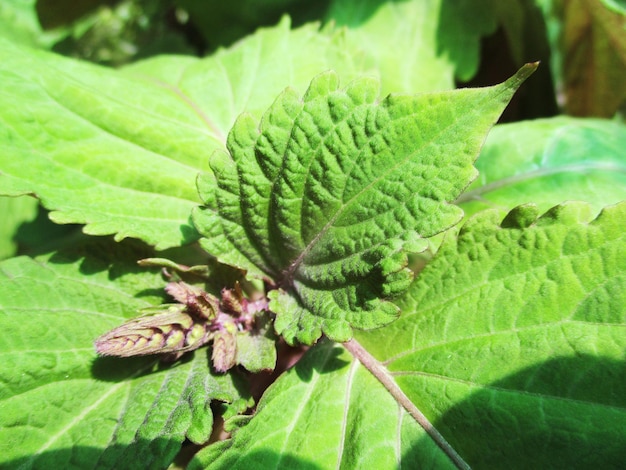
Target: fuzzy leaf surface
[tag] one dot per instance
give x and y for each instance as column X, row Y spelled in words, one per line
column 119, row 151
column 65, row 408
column 326, row 412
column 327, row 194
column 516, row 328
column 547, row 161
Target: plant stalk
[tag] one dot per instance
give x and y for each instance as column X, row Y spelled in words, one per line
column 376, row 368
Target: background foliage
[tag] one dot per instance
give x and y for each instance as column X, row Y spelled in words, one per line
column 110, row 109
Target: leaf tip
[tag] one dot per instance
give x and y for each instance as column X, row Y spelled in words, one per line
column 522, row 74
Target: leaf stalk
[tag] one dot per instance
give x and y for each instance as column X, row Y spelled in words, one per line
column 377, row 369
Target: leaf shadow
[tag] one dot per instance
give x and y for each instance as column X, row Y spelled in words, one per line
column 155, row 453
column 568, row 412
column 41, row 235
column 322, row 358
column 102, row 253
column 119, row 369
column 188, row 232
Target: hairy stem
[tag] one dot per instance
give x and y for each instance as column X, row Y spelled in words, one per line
column 383, row 376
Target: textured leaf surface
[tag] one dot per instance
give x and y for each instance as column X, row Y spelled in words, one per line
column 327, row 412
column 120, row 151
column 65, row 408
column 548, row 161
column 517, row 328
column 328, row 193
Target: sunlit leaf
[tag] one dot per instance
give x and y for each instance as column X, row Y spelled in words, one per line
column 517, row 328
column 327, row 194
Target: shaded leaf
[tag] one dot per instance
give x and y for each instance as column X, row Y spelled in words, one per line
column 64, row 407
column 15, row 211
column 594, row 57
column 242, row 17
column 330, row 191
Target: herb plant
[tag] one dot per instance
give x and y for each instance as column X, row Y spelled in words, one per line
column 300, row 251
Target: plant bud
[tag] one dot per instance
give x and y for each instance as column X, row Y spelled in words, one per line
column 198, row 302
column 224, row 350
column 172, row 330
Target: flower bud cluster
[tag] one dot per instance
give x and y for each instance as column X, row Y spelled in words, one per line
column 197, row 319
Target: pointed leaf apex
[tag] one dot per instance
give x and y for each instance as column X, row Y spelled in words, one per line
column 521, row 75
column 328, row 192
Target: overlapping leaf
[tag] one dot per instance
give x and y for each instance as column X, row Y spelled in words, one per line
column 61, row 406
column 547, row 161
column 327, row 412
column 517, row 328
column 445, row 35
column 120, row 151
column 328, row 194
column 19, row 23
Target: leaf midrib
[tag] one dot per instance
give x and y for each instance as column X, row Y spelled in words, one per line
column 293, row 267
column 578, row 169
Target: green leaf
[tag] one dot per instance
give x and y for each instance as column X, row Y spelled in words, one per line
column 548, row 161
column 15, row 211
column 64, row 407
column 328, row 193
column 117, row 154
column 256, row 351
column 326, row 412
column 429, row 44
column 120, row 151
column 247, row 77
column 19, row 23
column 516, row 328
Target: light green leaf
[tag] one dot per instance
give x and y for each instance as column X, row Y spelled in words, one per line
column 548, row 161
column 416, row 46
column 326, row 412
column 120, row 151
column 249, row 75
column 330, row 191
column 116, row 154
column 19, row 23
column 516, row 328
column 62, row 406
